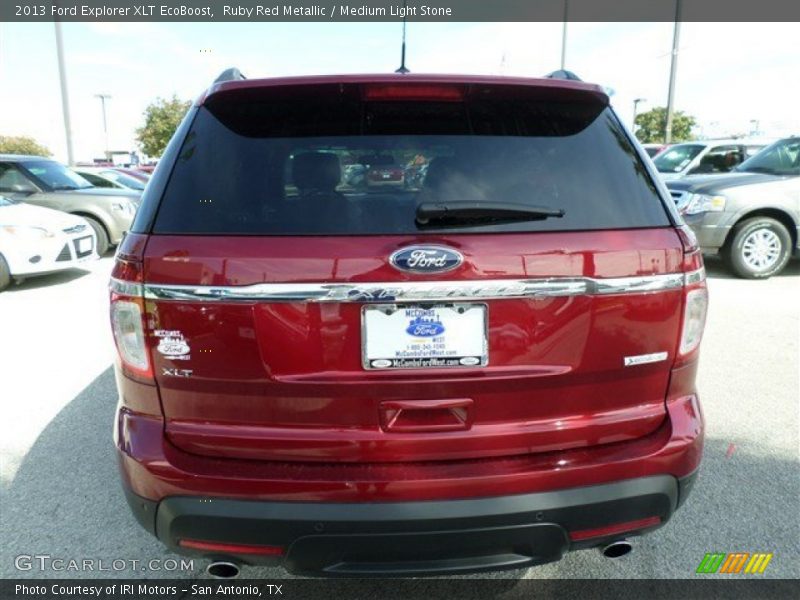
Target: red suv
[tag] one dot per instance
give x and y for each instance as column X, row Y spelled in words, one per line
column 482, row 372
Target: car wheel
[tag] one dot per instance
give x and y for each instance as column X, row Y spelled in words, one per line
column 759, row 249
column 5, row 274
column 100, row 233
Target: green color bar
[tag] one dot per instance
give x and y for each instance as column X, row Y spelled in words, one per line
column 711, row 562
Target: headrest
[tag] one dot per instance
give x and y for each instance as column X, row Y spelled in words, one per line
column 316, row 171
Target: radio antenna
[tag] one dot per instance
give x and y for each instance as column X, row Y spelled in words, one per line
column 403, row 70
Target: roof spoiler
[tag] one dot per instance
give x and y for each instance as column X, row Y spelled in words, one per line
column 232, row 74
column 563, row 74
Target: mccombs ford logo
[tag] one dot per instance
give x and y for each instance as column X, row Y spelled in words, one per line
column 426, row 259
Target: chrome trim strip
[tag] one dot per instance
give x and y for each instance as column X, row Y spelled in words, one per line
column 126, row 288
column 696, row 276
column 416, row 291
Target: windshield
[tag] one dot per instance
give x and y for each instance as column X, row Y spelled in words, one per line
column 124, row 180
column 270, row 168
column 676, row 158
column 781, row 158
column 6, row 201
column 55, row 176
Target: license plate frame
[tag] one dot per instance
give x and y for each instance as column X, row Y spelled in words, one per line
column 480, row 359
column 83, row 246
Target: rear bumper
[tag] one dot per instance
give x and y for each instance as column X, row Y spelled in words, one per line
column 459, row 516
column 415, row 538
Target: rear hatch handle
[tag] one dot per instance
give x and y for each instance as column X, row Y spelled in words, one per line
column 423, row 416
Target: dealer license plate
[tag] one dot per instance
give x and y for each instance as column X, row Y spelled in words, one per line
column 419, row 337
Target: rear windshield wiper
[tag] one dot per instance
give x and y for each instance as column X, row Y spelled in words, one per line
column 463, row 213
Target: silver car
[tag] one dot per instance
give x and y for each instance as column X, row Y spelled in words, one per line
column 750, row 216
column 108, row 177
column 45, row 182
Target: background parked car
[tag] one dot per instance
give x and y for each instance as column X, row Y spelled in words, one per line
column 104, row 177
column 382, row 170
column 751, row 216
column 705, row 157
column 44, row 182
column 35, row 241
column 135, row 173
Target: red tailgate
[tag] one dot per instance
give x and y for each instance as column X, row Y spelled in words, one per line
column 285, row 380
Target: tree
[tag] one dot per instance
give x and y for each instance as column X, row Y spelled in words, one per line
column 651, row 125
column 161, row 119
column 21, row 144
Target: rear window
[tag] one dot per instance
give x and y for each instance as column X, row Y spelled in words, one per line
column 335, row 164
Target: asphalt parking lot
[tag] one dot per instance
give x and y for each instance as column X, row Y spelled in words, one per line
column 60, row 494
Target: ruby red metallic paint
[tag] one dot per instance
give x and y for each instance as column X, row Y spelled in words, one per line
column 154, row 468
column 157, row 466
column 552, row 382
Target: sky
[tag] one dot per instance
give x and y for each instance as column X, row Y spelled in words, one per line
column 729, row 74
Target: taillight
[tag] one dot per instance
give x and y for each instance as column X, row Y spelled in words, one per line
column 695, row 301
column 694, row 319
column 126, row 321
column 688, row 240
column 128, row 318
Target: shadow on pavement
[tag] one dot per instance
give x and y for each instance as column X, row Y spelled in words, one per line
column 40, row 281
column 66, row 501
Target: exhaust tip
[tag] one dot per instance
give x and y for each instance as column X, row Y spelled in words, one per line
column 617, row 549
column 223, row 570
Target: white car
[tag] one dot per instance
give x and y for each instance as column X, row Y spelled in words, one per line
column 706, row 157
column 36, row 240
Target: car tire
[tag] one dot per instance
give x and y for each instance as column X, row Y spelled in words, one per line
column 5, row 274
column 100, row 234
column 759, row 248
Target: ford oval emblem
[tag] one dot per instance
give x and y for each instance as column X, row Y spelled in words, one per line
column 425, row 327
column 426, row 259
